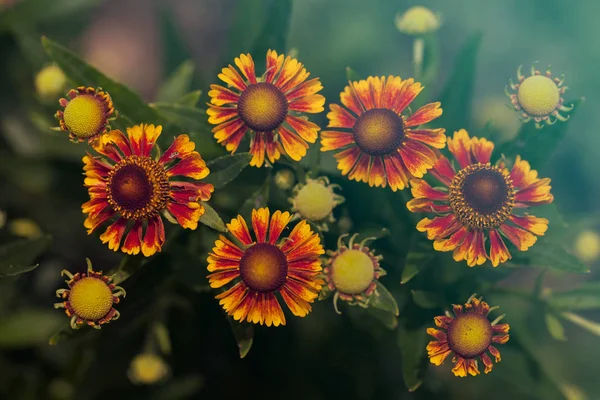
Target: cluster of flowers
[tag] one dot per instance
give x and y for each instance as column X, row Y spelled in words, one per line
column 377, row 140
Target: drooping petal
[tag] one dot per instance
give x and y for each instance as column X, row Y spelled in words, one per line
column 476, row 254
column 537, row 226
column 438, row 352
column 521, row 238
column 114, row 234
column 154, row 238
column 460, row 368
column 487, row 362
column 443, row 321
column 494, row 351
column 396, row 171
column 293, row 145
column 377, row 173
column 273, row 314
column 360, row 172
column 133, row 241
column 297, row 305
column 498, row 251
column 258, row 148
column 306, row 129
column 346, row 159
column 421, row 189
column 187, row 215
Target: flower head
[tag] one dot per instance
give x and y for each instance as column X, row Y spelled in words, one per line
column 352, row 273
column 132, row 189
column 315, row 201
column 284, row 179
column 480, row 201
column 265, row 107
column 89, row 298
column 148, row 369
column 418, row 20
column 86, row 113
column 382, row 146
column 539, row 97
column 266, row 266
column 466, row 335
column 50, row 81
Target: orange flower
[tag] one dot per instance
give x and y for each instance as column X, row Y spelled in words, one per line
column 382, row 146
column 478, row 203
column 265, row 107
column 267, row 266
column 134, row 188
column 466, row 335
column 86, row 114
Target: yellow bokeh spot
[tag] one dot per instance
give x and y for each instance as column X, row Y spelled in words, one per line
column 470, row 334
column 418, row 20
column 50, row 82
column 352, row 271
column 587, row 245
column 91, row 298
column 24, row 227
column 538, row 95
column 314, row 201
column 147, row 368
column 84, row 116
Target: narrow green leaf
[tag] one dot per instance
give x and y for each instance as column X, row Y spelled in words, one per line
column 575, row 300
column 383, row 300
column 352, row 75
column 416, row 261
column 190, row 99
column 538, row 145
column 243, row 333
column 161, row 335
column 412, row 345
column 590, row 326
column 189, row 119
column 211, row 219
column 555, row 327
column 178, row 84
column 423, row 299
column 225, row 169
column 274, row 32
column 128, row 103
column 26, row 328
column 17, row 257
column 457, row 96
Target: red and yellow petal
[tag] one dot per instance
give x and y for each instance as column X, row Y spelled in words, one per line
column 154, row 238
column 438, row 352
column 360, row 172
column 521, row 238
column 537, row 226
column 421, row 189
column 230, row 134
column 333, row 140
column 460, row 147
column 133, row 242
column 230, row 76
column 192, row 166
column 435, row 138
column 260, row 223
column 274, row 64
column 453, row 241
column 350, row 100
column 257, row 149
column 417, row 157
column 443, row 171
column 396, row 172
column 293, row 145
column 307, row 88
column 239, row 229
column 307, row 130
column 476, row 254
column 310, row 104
column 482, row 150
column 218, row 115
column 409, row 91
column 298, row 306
column 181, row 147
column 426, row 205
column 278, row 223
column 537, row 193
column 498, row 251
column 114, row 234
column 439, row 227
column 521, row 173
column 222, row 278
column 377, row 173
column 487, row 362
column 425, row 114
column 270, row 308
column 245, row 63
column 187, row 215
column 220, row 95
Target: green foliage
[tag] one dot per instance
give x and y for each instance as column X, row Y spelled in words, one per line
column 412, row 345
column 177, row 85
column 211, row 219
column 243, row 334
column 225, row 169
column 28, row 327
column 555, row 327
column 17, row 257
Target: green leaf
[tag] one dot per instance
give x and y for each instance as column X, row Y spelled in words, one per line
column 29, row 327
column 538, row 145
column 575, row 300
column 351, row 75
column 457, row 96
column 190, row 99
column 423, row 299
column 274, row 32
column 555, row 327
column 17, row 257
column 211, row 219
column 590, row 326
column 412, row 345
column 548, row 253
column 416, row 260
column 383, row 300
column 128, row 103
column 258, row 199
column 243, row 333
column 178, row 84
column 225, row 169
column 388, row 319
column 189, row 119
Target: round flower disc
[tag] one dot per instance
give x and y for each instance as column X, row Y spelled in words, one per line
column 263, row 106
column 263, row 267
column 470, row 334
column 539, row 95
column 352, row 271
column 91, row 298
column 379, row 131
column 314, row 201
column 85, row 116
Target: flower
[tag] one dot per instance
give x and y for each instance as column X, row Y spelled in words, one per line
column 381, row 145
column 418, row 20
column 89, row 298
column 352, row 273
column 539, row 97
column 315, row 201
column 147, row 369
column 50, row 81
column 86, row 114
column 265, row 106
column 133, row 188
column 477, row 203
column 466, row 335
column 266, row 266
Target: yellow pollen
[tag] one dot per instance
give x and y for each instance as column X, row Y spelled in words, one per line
column 539, row 95
column 50, row 82
column 148, row 368
column 85, row 116
column 91, row 298
column 470, row 334
column 263, row 106
column 263, row 267
column 352, row 271
column 314, row 201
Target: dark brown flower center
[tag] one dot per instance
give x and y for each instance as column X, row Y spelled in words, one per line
column 379, row 131
column 470, row 334
column 264, row 267
column 137, row 187
column 262, row 106
column 482, row 196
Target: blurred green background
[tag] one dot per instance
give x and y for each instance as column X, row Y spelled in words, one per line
column 140, row 43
